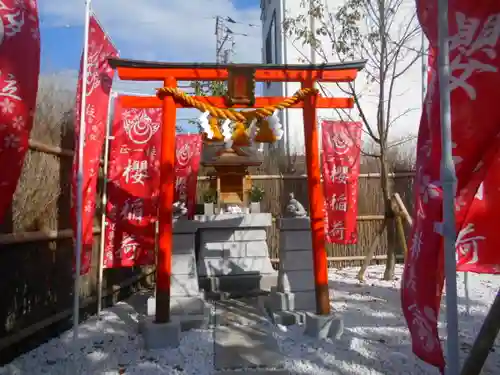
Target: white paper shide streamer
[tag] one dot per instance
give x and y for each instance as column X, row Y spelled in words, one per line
column 205, row 125
column 227, row 133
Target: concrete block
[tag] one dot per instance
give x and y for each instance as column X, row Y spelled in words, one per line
column 294, row 223
column 212, row 267
column 216, row 235
column 305, row 301
column 294, row 281
column 213, row 246
column 250, row 264
column 184, row 226
column 296, row 260
column 280, row 301
column 235, row 266
column 184, row 306
column 183, row 243
column 323, row 326
column 223, row 249
column 184, row 286
column 288, row 318
column 188, row 305
column 256, row 249
column 295, row 240
column 250, row 234
column 234, row 249
column 184, row 264
column 159, row 335
column 234, row 220
column 239, row 284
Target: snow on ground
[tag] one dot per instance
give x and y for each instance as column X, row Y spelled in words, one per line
column 111, row 346
column 375, row 339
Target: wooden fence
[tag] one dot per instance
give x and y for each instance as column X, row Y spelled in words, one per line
column 36, row 249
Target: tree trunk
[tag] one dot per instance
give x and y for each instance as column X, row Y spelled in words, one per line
column 389, row 215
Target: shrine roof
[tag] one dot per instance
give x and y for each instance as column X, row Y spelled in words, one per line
column 128, row 63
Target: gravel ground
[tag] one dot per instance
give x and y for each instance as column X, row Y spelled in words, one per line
column 375, row 339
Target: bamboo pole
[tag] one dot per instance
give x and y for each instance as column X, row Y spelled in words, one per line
column 371, row 251
column 54, row 235
column 401, row 234
column 401, row 208
column 47, row 149
column 304, row 177
column 40, row 236
column 348, row 258
column 37, row 146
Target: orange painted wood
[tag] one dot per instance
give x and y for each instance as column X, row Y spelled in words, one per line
column 128, row 101
column 316, row 203
column 167, row 182
column 211, row 74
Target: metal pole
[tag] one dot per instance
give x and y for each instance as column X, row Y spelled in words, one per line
column 217, row 41
column 448, row 181
column 104, row 201
column 79, row 176
column 423, row 56
column 285, row 87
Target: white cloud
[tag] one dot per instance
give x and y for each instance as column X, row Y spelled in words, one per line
column 173, row 30
column 180, row 30
column 159, row 30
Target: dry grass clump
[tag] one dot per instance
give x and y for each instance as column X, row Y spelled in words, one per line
column 45, row 179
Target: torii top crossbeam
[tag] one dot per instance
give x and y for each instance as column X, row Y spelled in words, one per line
column 138, row 70
column 241, row 94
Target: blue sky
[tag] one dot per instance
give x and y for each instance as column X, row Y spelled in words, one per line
column 62, row 43
column 161, row 30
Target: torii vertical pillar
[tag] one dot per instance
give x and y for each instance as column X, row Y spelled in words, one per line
column 316, row 202
column 166, row 200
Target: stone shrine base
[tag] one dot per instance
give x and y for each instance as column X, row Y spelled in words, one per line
column 233, row 254
column 293, row 301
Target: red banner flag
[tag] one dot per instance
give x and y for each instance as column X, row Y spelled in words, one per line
column 99, row 80
column 474, row 63
column 134, row 184
column 340, row 157
column 19, row 70
column 187, row 163
column 133, row 188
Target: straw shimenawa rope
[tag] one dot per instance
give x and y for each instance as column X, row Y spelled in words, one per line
column 231, row 114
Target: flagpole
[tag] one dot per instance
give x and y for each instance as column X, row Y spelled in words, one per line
column 424, row 66
column 448, row 181
column 79, row 177
column 104, row 201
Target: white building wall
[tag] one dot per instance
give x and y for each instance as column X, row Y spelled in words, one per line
column 407, row 97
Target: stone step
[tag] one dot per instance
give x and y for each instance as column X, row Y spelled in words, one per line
column 245, row 311
column 241, row 341
column 245, row 347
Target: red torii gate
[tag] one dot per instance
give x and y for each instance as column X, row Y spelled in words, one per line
column 241, row 85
